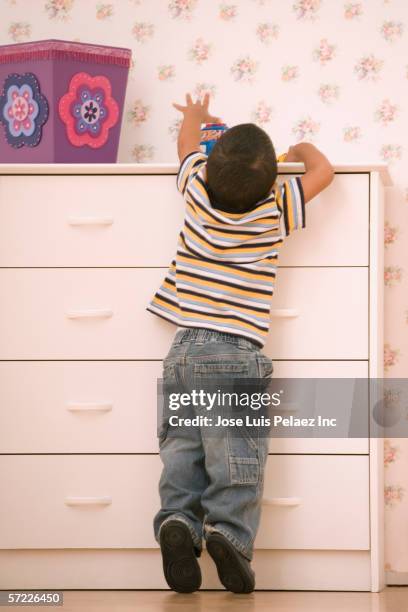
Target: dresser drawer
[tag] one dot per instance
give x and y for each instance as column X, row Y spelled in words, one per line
column 110, row 406
column 134, row 220
column 102, row 501
column 101, row 314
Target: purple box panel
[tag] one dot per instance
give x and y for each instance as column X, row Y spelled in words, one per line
column 65, row 150
column 61, row 102
column 44, row 151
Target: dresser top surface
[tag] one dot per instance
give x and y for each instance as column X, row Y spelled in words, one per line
column 167, row 168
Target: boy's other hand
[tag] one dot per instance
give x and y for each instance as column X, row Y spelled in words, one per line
column 197, row 110
column 319, row 171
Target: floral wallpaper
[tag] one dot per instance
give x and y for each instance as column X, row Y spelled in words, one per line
column 328, row 71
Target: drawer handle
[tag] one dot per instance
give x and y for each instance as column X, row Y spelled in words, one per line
column 90, row 220
column 90, row 313
column 89, row 406
column 88, row 501
column 284, row 313
column 282, row 501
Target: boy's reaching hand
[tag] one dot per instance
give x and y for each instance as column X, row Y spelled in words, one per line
column 197, row 110
column 195, row 113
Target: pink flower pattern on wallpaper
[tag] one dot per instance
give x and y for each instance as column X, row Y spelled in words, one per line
column 143, row 31
column 386, row 113
column 352, row 60
column 391, row 153
column 244, row 69
column 202, row 88
column 329, row 93
column 228, row 12
column 353, row 10
column 139, row 113
column 391, row 452
column 390, row 357
column 352, row 133
column 104, row 11
column 19, row 31
column 267, row 32
column 290, row 73
column 325, row 52
column 392, row 275
column 59, row 9
column 200, row 51
column 166, row 72
column 306, row 9
column 174, row 128
column 390, row 234
column 368, row 68
column 142, row 153
column 305, row 129
column 262, row 113
column 182, row 9
column 393, row 495
column 392, row 30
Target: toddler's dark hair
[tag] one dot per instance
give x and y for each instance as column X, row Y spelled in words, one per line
column 241, row 168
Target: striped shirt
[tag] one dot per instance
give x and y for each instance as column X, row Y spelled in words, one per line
column 224, row 271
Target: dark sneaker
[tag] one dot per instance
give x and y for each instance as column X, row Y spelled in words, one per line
column 180, row 564
column 234, row 570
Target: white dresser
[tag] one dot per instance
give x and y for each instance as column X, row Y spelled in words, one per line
column 79, row 359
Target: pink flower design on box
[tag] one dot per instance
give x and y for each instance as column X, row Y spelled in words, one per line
column 352, row 133
column 386, row 113
column 88, row 110
column 266, row 32
column 325, row 52
column 228, row 12
column 392, row 30
column 23, row 110
column 306, row 9
column 353, row 10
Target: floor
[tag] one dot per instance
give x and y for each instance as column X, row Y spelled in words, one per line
column 392, row 599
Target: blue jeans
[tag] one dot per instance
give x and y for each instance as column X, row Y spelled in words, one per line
column 212, row 483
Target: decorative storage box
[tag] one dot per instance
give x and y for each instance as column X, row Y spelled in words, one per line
column 61, row 101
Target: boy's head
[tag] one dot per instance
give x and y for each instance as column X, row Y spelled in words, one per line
column 241, row 168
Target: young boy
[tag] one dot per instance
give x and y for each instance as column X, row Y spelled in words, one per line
column 218, row 290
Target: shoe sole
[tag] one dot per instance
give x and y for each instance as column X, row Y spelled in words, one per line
column 180, row 564
column 232, row 571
